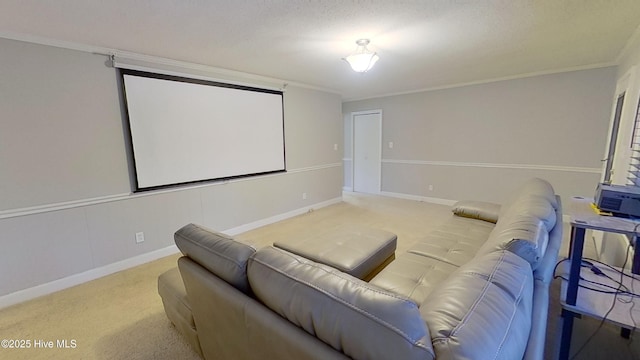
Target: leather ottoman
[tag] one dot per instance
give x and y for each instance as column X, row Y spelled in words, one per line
column 357, row 250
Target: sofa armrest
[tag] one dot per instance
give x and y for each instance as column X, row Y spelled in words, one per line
column 480, row 210
column 232, row 325
column 217, row 253
column 352, row 316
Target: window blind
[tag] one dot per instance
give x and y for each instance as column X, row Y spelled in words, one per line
column 633, row 176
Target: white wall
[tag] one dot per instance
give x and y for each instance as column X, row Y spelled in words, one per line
column 627, row 82
column 612, row 248
column 631, row 54
column 347, row 160
column 61, row 131
column 66, row 206
column 480, row 141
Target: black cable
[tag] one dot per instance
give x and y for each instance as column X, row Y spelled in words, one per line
column 610, row 267
column 597, row 271
column 613, row 304
column 615, row 291
column 619, row 283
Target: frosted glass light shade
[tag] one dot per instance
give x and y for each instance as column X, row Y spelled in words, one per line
column 362, row 62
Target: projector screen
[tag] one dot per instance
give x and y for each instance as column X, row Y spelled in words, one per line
column 186, row 130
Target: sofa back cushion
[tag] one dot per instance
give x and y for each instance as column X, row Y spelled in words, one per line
column 216, row 252
column 483, row 310
column 534, row 205
column 525, row 222
column 523, row 235
column 352, row 316
column 535, row 186
column 546, row 267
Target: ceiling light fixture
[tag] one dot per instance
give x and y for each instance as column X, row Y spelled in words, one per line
column 362, row 60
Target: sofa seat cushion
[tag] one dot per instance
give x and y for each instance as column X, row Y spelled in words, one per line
column 216, row 252
column 352, row 316
column 483, row 310
column 454, row 242
column 413, row 276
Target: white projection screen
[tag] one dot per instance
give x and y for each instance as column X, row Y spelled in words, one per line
column 187, row 130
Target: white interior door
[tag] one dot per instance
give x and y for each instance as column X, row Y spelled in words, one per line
column 367, row 131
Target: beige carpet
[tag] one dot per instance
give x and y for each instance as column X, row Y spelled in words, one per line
column 116, row 317
column 121, row 317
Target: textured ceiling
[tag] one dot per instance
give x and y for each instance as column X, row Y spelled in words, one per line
column 422, row 44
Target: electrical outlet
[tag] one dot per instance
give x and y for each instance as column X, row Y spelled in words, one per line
column 304, row 196
column 430, row 187
column 139, row 237
column 335, row 147
column 390, row 144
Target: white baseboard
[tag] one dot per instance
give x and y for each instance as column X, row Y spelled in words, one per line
column 419, row 198
column 440, row 201
column 83, row 277
column 77, row 279
column 270, row 220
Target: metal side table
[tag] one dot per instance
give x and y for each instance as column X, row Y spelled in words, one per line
column 586, row 302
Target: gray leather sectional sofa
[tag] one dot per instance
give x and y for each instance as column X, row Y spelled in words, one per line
column 476, row 288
